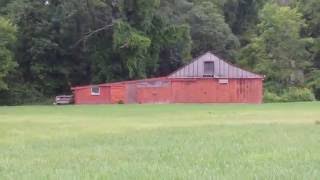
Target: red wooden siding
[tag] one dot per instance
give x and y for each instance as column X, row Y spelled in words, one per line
column 211, row 91
column 131, row 93
column 117, row 94
column 154, row 95
column 203, row 90
column 157, row 91
column 83, row 96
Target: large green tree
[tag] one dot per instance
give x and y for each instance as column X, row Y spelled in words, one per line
column 66, row 43
column 7, row 40
column 278, row 51
column 210, row 32
column 242, row 17
column 310, row 10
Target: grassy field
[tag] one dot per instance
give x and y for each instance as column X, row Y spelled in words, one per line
column 270, row 141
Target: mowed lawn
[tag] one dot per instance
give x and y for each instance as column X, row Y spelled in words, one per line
column 270, row 141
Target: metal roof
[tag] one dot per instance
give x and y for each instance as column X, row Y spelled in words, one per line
column 222, row 69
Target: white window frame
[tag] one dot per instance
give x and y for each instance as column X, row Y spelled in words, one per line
column 223, row 81
column 212, row 72
column 95, row 93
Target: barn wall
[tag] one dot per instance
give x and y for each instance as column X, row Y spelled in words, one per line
column 160, row 95
column 131, row 92
column 118, row 94
column 212, row 91
column 157, row 91
column 83, row 96
column 202, row 90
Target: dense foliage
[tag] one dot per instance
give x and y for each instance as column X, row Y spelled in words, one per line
column 47, row 46
column 7, row 38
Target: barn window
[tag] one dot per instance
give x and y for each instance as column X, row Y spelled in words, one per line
column 95, row 91
column 223, row 81
column 208, row 68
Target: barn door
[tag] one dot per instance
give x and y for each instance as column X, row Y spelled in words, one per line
column 117, row 94
column 132, row 94
column 223, row 90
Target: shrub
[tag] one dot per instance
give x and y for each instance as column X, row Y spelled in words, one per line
column 270, row 97
column 298, row 94
column 23, row 94
column 313, row 82
column 292, row 94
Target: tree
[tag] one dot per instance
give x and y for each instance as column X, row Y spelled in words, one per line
column 67, row 43
column 7, row 40
column 310, row 10
column 242, row 17
column 210, row 32
column 278, row 51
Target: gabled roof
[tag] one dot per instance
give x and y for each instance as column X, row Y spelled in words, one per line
column 222, row 69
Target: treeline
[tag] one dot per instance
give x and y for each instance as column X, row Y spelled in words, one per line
column 47, row 46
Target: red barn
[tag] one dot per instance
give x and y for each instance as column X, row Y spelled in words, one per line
column 208, row 79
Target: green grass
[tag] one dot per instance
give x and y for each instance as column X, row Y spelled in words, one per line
column 270, row 141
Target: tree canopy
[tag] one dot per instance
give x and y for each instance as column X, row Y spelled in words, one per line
column 7, row 39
